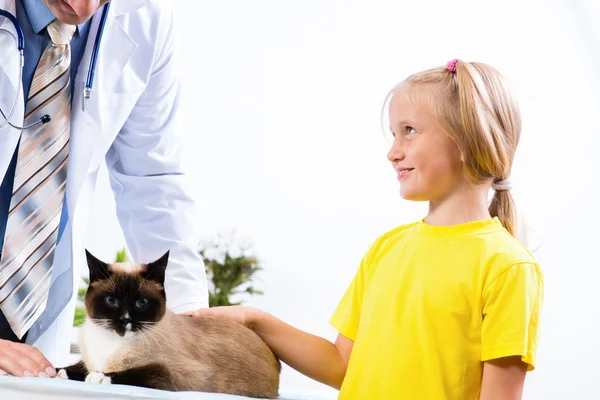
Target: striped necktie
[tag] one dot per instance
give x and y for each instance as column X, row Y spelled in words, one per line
column 39, row 187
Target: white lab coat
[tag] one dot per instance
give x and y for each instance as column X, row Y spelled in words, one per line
column 129, row 121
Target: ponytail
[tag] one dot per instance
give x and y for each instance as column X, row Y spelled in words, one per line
column 503, row 207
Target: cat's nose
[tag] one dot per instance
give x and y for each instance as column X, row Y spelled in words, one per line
column 125, row 319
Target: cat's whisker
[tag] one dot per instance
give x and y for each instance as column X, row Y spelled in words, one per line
column 145, row 335
column 145, row 339
column 101, row 322
column 155, row 330
column 157, row 342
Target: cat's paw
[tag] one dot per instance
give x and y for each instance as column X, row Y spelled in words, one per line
column 98, row 377
column 62, row 374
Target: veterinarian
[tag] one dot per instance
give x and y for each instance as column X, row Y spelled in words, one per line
column 97, row 81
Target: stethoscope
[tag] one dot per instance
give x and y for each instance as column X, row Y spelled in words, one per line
column 20, row 39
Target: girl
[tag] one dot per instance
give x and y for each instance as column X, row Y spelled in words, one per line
column 447, row 307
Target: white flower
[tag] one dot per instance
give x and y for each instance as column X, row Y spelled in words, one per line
column 234, row 251
column 223, row 248
column 243, row 242
column 220, row 258
column 211, row 253
column 205, row 242
column 249, row 252
column 218, row 241
column 223, row 238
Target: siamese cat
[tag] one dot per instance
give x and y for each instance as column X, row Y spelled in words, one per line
column 131, row 338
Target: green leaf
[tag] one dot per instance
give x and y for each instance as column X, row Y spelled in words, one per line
column 81, row 293
column 233, row 277
column 122, row 256
column 79, row 317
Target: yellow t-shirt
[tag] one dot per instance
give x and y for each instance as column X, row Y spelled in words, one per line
column 430, row 303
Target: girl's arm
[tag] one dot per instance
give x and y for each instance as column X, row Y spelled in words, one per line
column 310, row 355
column 503, row 379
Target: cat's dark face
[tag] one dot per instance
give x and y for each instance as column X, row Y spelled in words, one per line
column 126, row 297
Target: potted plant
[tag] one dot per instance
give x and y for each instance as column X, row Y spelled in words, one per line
column 230, row 267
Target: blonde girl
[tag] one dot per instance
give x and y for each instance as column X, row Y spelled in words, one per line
column 445, row 308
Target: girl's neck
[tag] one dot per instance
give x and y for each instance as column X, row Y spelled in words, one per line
column 467, row 203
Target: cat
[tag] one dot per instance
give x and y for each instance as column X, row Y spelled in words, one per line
column 130, row 337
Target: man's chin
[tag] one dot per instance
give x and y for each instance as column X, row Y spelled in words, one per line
column 71, row 20
column 66, row 14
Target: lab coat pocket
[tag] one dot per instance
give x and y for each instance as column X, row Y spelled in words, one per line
column 126, row 100
column 127, row 90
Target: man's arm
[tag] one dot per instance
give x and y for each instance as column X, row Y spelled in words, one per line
column 503, row 379
column 155, row 210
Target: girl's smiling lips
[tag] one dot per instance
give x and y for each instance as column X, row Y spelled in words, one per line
column 403, row 172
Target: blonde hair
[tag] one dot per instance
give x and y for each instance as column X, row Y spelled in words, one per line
column 474, row 106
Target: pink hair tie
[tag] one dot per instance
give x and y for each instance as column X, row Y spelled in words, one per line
column 452, row 65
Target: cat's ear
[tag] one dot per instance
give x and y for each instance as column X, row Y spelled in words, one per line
column 155, row 271
column 98, row 269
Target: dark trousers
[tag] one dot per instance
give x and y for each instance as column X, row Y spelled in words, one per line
column 6, row 332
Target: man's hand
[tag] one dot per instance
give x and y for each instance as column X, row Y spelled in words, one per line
column 22, row 360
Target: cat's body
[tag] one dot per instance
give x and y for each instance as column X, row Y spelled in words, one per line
column 148, row 345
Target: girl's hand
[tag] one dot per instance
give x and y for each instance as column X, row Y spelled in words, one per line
column 240, row 314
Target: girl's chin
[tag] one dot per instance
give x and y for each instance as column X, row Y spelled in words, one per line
column 412, row 195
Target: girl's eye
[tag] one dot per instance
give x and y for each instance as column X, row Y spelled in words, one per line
column 410, row 129
column 111, row 301
column 141, row 303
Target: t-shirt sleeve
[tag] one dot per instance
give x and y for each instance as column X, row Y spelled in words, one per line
column 511, row 312
column 346, row 317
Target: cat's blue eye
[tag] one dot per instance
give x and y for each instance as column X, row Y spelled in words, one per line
column 141, row 303
column 111, row 301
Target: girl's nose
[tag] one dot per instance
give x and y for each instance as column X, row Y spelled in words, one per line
column 396, row 152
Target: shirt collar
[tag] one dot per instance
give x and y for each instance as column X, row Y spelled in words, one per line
column 40, row 15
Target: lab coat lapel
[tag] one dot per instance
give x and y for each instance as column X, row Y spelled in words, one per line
column 10, row 87
column 88, row 126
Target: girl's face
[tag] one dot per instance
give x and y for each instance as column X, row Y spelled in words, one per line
column 427, row 161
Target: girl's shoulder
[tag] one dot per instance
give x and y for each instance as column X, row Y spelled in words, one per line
column 400, row 230
column 396, row 233
column 504, row 254
column 390, row 238
column 508, row 250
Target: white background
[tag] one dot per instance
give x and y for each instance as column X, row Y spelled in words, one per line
column 281, row 103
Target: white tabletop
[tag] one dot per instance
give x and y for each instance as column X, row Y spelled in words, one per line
column 60, row 389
